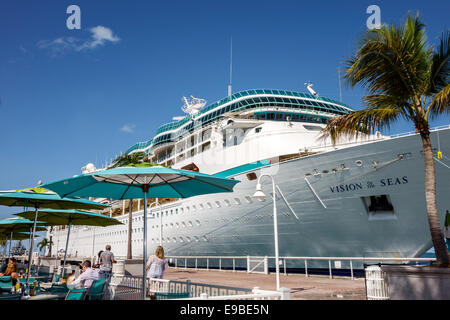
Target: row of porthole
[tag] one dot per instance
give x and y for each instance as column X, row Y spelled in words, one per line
column 237, row 201
column 177, row 225
column 227, row 203
column 180, row 239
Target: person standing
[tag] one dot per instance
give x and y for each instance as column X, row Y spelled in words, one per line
column 106, row 263
column 156, row 264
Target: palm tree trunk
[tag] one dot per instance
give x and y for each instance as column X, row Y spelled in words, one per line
column 130, row 229
column 437, row 237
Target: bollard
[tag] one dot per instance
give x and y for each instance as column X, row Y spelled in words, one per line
column 285, row 293
column 306, row 268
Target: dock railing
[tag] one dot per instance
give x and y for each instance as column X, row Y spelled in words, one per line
column 334, row 263
column 130, row 288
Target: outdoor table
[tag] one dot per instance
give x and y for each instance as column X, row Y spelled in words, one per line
column 48, row 296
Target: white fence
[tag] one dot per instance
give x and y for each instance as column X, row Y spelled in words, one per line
column 376, row 284
column 130, row 288
column 257, row 294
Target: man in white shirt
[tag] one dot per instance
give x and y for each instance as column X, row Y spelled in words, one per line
column 88, row 276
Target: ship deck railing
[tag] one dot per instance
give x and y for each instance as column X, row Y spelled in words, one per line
column 370, row 139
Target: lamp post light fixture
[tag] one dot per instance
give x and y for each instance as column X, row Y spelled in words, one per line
column 259, row 194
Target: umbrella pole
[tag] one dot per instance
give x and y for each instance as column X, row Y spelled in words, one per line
column 144, row 276
column 29, row 242
column 32, row 242
column 65, row 252
column 6, row 247
column 10, row 244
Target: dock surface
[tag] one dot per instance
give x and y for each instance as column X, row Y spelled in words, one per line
column 302, row 288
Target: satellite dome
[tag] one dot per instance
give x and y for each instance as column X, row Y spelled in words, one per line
column 88, row 168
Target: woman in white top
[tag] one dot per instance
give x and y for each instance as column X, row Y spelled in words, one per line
column 156, row 264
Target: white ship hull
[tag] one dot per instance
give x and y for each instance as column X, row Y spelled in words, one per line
column 336, row 223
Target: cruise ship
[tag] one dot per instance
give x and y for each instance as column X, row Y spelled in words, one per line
column 362, row 197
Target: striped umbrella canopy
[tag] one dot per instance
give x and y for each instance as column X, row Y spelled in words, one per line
column 70, row 217
column 141, row 182
column 39, row 197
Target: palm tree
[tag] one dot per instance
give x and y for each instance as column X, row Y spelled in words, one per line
column 44, row 243
column 128, row 159
column 404, row 79
column 51, row 242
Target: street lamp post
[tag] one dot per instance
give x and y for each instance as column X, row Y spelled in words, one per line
column 259, row 194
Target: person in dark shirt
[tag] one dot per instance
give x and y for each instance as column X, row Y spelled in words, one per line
column 106, row 263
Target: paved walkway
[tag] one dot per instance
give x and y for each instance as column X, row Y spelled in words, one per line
column 302, row 288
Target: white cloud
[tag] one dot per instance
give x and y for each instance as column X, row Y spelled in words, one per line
column 129, row 128
column 99, row 36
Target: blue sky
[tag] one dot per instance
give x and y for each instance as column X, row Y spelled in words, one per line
column 70, row 97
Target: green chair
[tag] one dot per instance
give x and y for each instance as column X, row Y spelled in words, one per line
column 11, row 296
column 57, row 287
column 77, row 294
column 97, row 290
column 23, row 280
column 5, row 283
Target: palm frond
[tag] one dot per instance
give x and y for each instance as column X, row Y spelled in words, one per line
column 391, row 60
column 360, row 122
column 440, row 103
column 440, row 65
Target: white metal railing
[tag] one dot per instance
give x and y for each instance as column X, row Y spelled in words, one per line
column 336, row 261
column 256, row 294
column 130, row 288
column 372, row 138
column 410, row 133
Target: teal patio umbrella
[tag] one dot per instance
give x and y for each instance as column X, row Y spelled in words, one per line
column 13, row 225
column 54, row 217
column 13, row 236
column 16, row 236
column 39, row 197
column 141, row 182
